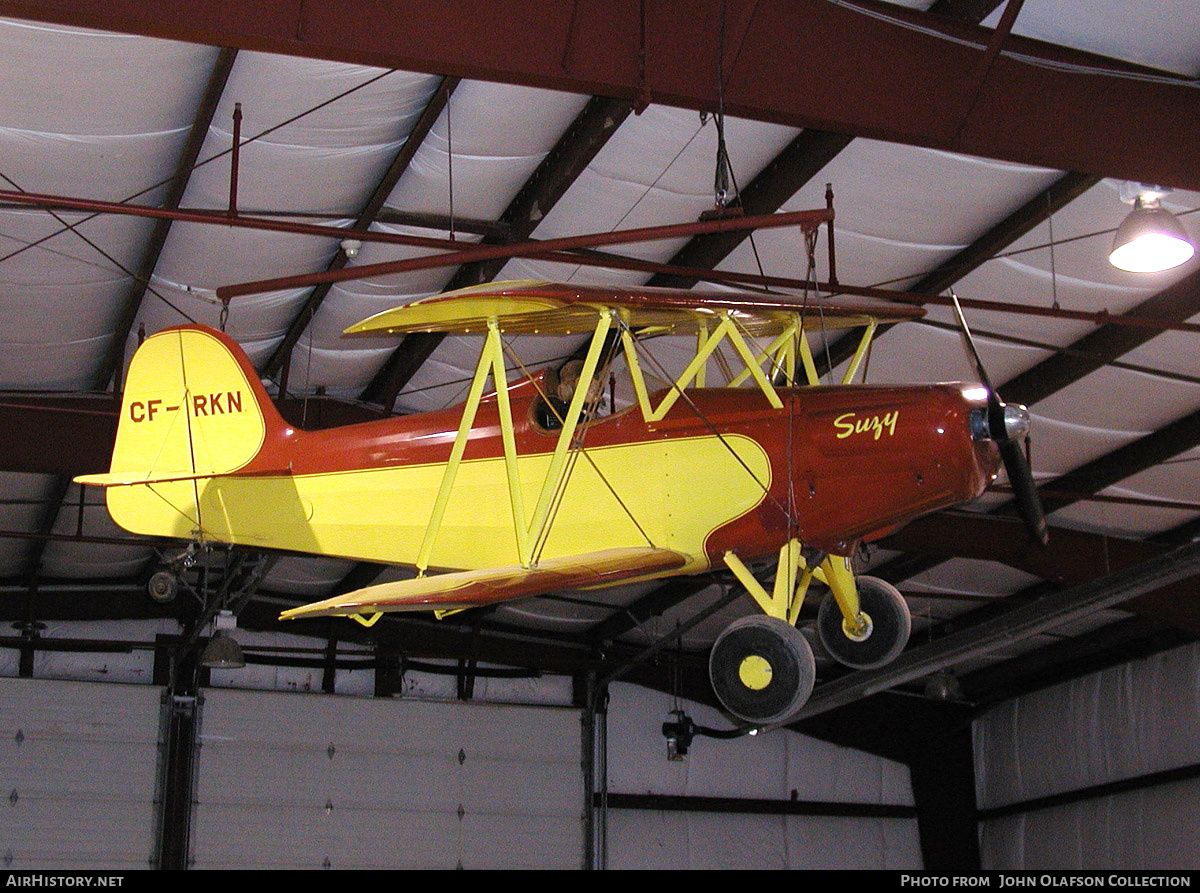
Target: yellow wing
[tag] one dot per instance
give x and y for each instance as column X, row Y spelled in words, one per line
column 547, row 308
column 470, row 589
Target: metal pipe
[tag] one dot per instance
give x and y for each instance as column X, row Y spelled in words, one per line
column 41, row 200
column 588, row 743
column 545, row 250
column 805, row 219
column 601, row 838
column 829, row 228
column 234, row 158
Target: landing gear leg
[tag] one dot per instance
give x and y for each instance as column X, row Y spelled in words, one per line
column 761, row 667
column 863, row 624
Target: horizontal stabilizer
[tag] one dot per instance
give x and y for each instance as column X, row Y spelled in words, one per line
column 469, row 589
column 132, row 478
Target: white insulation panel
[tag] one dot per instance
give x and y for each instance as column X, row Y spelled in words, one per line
column 1124, row 723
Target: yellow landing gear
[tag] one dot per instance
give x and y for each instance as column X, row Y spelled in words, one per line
column 762, row 669
column 882, row 628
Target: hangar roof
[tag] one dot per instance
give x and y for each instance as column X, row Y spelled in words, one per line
column 970, row 144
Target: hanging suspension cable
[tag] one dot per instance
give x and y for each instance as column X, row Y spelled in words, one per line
column 723, row 174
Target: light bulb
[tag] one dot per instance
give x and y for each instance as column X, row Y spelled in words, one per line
column 1150, row 240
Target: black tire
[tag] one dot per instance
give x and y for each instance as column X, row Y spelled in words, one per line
column 891, row 625
column 163, row 587
column 775, row 652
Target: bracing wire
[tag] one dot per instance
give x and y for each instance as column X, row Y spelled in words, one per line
column 69, row 227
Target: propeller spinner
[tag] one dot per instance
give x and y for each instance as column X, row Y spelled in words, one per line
column 1008, row 425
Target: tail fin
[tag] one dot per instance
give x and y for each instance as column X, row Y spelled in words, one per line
column 193, row 409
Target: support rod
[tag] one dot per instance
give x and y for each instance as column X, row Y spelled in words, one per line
column 806, row 219
column 235, row 159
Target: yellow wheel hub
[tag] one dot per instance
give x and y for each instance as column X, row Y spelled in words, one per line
column 861, row 630
column 755, row 672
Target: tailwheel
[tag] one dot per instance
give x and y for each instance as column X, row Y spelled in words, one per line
column 163, row 587
column 883, row 632
column 762, row 669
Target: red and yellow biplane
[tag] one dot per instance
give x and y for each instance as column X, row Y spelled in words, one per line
column 536, row 486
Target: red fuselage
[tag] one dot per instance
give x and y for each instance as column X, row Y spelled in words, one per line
column 846, row 463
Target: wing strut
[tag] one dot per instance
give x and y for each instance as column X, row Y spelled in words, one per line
column 531, row 530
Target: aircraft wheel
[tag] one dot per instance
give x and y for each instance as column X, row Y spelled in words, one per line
column 888, row 626
column 163, row 587
column 762, row 669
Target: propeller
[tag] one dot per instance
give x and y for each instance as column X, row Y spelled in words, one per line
column 1008, row 426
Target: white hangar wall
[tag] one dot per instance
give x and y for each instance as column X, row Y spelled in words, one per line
column 775, row 767
column 312, row 781
column 289, row 780
column 1137, row 727
column 288, row 777
column 78, row 768
column 78, row 771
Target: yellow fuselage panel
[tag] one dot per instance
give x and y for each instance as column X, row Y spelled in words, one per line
column 672, row 494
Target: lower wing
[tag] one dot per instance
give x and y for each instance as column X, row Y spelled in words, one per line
column 469, row 589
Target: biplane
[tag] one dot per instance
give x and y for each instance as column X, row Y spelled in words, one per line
column 546, row 483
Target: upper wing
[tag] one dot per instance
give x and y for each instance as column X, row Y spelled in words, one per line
column 551, row 309
column 469, row 589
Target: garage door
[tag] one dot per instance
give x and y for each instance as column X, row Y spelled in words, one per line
column 310, row 781
column 77, row 774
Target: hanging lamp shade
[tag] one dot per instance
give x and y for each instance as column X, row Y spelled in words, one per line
column 222, row 652
column 1150, row 239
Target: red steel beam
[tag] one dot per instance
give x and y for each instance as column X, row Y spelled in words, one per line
column 804, row 219
column 572, row 249
column 863, row 68
column 61, row 434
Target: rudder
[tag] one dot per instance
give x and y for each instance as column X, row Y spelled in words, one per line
column 193, row 409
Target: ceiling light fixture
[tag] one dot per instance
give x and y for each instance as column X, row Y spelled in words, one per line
column 222, row 651
column 1151, row 239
